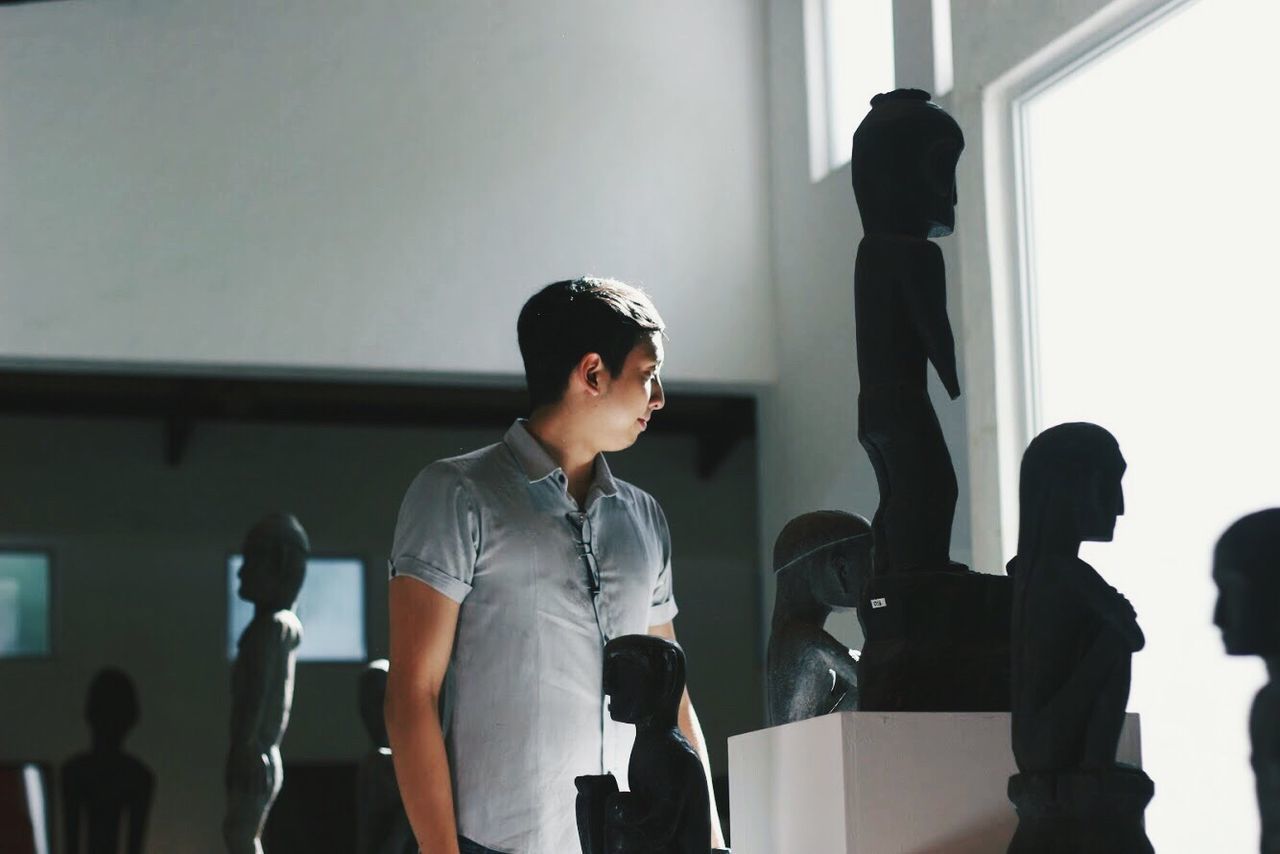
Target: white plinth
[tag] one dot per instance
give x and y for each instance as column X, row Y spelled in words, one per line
column 879, row 783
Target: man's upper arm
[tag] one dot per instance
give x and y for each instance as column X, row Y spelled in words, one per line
column 423, row 624
column 437, row 537
column 662, row 605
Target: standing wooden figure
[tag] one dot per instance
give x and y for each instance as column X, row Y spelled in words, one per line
column 275, row 564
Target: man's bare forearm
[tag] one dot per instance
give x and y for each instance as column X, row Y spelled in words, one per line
column 422, row 770
column 692, row 731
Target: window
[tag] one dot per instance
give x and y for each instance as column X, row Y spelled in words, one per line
column 1150, row 301
column 943, row 62
column 24, row 604
column 848, row 59
column 330, row 606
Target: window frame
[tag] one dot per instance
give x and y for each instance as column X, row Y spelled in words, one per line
column 993, row 79
column 828, row 153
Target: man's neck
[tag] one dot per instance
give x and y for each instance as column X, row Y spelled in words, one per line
column 555, row 432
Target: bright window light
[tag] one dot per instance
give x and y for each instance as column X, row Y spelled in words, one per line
column 943, row 63
column 1149, row 182
column 330, row 606
column 24, row 604
column 848, row 59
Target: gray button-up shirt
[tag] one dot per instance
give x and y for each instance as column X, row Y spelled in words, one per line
column 497, row 531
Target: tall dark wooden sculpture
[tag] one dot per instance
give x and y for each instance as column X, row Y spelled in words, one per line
column 1246, row 567
column 904, row 164
column 821, row 560
column 667, row 810
column 936, row 634
column 381, row 824
column 105, row 789
column 1073, row 637
column 275, row 564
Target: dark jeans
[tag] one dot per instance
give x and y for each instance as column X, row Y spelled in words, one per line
column 466, row 846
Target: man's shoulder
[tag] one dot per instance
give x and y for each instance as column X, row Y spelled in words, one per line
column 633, row 494
column 643, row 505
column 472, row 467
column 472, row 459
column 469, row 477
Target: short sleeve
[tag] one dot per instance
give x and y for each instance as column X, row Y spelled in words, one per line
column 438, row 532
column 662, row 607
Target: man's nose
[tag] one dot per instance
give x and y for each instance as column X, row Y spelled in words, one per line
column 658, row 398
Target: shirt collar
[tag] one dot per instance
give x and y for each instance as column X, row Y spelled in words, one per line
column 538, row 464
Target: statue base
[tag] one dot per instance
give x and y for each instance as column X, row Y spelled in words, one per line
column 870, row 783
column 1099, row 811
column 935, row 642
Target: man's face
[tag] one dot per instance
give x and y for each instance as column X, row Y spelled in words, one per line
column 623, row 410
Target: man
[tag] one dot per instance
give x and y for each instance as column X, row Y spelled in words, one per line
column 512, row 566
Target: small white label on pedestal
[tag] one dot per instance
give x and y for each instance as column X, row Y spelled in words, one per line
column 878, row 603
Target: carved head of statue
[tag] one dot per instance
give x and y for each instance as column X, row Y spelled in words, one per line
column 827, row 552
column 644, row 678
column 904, row 166
column 372, row 694
column 111, row 707
column 1069, row 489
column 275, row 562
column 1246, row 568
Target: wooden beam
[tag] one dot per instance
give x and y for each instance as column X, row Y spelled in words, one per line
column 716, row 421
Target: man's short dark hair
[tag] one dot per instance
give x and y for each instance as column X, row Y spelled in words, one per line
column 566, row 320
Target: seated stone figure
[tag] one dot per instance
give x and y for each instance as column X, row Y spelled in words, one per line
column 1246, row 567
column 821, row 560
column 275, row 564
column 667, row 810
column 104, row 788
column 1073, row 637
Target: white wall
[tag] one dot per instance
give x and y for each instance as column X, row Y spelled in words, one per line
column 377, row 185
column 140, row 554
column 810, row 455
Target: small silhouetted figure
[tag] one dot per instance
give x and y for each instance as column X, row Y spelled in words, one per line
column 1073, row 638
column 275, row 563
column 105, row 788
column 383, row 827
column 821, row 560
column 1073, row 634
column 903, row 163
column 1246, row 567
column 667, row 810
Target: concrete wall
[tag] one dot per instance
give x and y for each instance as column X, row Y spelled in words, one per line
column 379, row 185
column 140, row 582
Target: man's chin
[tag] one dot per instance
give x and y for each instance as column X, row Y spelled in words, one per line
column 623, row 442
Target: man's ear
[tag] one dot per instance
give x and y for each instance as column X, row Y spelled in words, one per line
column 590, row 374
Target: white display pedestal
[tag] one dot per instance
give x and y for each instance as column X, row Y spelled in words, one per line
column 880, row 783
